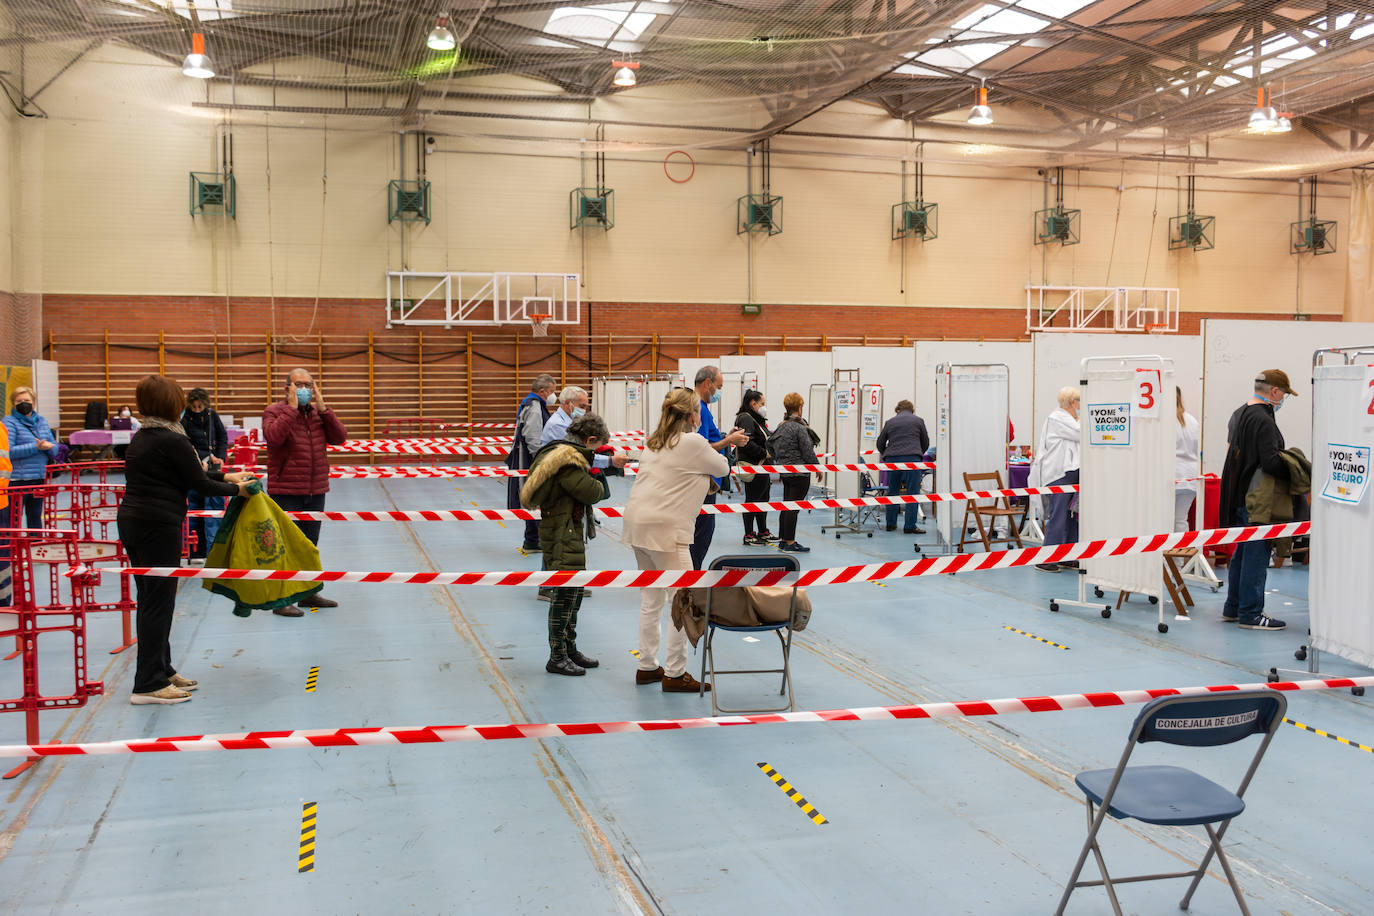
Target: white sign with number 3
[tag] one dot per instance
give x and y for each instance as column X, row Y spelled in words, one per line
column 1147, row 393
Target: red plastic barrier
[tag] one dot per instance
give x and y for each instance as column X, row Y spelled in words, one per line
column 34, row 618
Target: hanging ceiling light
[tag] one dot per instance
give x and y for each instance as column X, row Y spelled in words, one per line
column 196, row 63
column 625, row 76
column 981, row 114
column 1264, row 117
column 440, row 38
column 1284, row 125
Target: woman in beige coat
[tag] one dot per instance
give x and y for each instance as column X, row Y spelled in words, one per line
column 675, row 471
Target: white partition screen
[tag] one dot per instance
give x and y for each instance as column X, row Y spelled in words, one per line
column 795, row 370
column 871, row 400
column 1341, row 578
column 892, row 367
column 753, row 370
column 970, row 432
column 609, row 399
column 845, row 428
column 1126, row 464
column 1238, row 349
column 1017, row 355
column 655, row 391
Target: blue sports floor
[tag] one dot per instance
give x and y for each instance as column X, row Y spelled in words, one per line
column 927, row 817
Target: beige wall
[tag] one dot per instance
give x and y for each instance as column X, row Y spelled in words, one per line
column 110, row 172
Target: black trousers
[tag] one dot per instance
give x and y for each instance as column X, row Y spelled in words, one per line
column 33, row 505
column 703, row 533
column 303, row 502
column 153, row 544
column 794, row 487
column 563, row 608
column 756, row 491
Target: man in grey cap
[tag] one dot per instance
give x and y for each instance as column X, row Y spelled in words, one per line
column 1252, row 450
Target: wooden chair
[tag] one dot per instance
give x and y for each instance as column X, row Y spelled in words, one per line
column 1001, row 508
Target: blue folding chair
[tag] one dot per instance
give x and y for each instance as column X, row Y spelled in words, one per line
column 708, row 657
column 1173, row 795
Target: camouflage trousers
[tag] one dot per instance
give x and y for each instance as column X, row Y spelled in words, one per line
column 563, row 607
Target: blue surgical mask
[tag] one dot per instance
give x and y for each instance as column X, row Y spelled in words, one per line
column 1279, row 405
column 715, row 396
column 578, row 412
column 302, row 396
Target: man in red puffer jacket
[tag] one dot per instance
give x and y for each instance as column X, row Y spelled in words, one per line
column 297, row 429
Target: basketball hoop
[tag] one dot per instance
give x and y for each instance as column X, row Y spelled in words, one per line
column 539, row 325
column 1157, row 329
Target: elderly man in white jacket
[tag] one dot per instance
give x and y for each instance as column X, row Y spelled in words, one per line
column 1056, row 464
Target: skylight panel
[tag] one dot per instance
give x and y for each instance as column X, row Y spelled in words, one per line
column 963, row 56
column 599, row 22
column 1059, row 9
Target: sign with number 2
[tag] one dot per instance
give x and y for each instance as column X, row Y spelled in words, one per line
column 1148, row 384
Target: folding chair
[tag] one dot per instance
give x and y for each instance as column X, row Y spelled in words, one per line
column 1001, row 508
column 708, row 657
column 1173, row 795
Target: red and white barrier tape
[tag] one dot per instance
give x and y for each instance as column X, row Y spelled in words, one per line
column 443, row 734
column 477, row 426
column 700, row 578
column 366, row 472
column 472, row 515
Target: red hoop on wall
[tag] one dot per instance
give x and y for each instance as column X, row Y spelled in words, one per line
column 690, row 161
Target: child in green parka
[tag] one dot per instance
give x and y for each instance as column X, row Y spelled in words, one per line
column 563, row 486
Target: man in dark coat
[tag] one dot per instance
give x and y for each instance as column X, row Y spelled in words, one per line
column 297, row 429
column 530, row 418
column 1252, row 450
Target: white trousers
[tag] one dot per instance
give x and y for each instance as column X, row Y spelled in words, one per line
column 652, row 603
column 1183, row 501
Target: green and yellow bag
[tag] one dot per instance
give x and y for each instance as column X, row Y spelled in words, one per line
column 257, row 534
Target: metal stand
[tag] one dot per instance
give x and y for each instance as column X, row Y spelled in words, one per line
column 1082, row 600
column 1313, row 659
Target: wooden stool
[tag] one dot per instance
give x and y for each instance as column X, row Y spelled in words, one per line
column 1173, row 581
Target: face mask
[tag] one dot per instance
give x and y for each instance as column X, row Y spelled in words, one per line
column 23, row 408
column 552, row 401
column 302, row 396
column 715, row 396
column 124, row 413
column 762, row 411
column 578, row 412
column 1279, row 405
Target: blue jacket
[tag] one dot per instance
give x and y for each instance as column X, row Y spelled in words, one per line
column 30, row 462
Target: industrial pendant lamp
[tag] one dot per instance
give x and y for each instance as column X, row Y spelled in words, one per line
column 625, row 76
column 981, row 114
column 440, row 38
column 196, row 63
column 1264, row 117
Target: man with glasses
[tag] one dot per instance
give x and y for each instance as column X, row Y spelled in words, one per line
column 1252, row 450
column 297, row 429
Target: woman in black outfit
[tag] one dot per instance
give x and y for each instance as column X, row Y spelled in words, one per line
column 206, row 431
column 160, row 468
column 752, row 419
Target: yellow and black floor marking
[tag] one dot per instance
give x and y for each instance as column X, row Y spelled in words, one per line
column 816, row 817
column 311, row 679
column 1336, row 738
column 307, row 859
column 1047, row 642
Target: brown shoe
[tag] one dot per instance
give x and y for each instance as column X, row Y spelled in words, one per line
column 683, row 683
column 649, row 677
column 184, row 683
column 166, row 696
column 289, row 611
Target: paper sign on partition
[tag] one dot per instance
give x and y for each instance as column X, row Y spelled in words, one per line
column 1109, row 424
column 1367, row 398
column 632, row 391
column 1347, row 473
column 1148, row 391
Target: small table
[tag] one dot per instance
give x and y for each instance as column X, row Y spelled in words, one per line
column 103, row 440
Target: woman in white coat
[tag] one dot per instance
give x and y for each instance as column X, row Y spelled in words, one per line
column 675, row 471
column 1056, row 464
column 1187, row 448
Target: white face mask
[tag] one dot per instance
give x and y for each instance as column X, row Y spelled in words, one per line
column 763, row 411
column 124, row 413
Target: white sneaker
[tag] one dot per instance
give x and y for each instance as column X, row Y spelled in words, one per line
column 195, row 561
column 166, row 696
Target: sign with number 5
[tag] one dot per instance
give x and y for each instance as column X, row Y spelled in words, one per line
column 1148, row 393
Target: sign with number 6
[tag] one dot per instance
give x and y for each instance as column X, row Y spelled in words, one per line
column 1148, row 393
